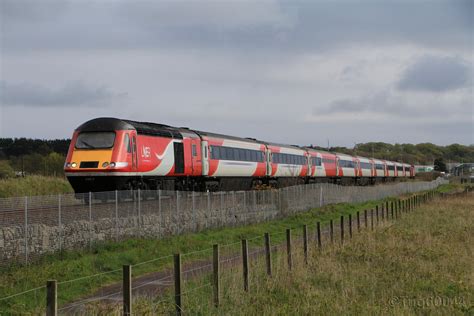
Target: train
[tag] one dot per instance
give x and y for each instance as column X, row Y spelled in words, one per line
column 107, row 154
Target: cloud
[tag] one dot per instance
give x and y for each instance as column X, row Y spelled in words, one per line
column 435, row 74
column 73, row 93
column 388, row 103
column 267, row 26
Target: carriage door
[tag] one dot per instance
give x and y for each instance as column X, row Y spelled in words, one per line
column 269, row 162
column 134, row 154
column 178, row 158
column 205, row 158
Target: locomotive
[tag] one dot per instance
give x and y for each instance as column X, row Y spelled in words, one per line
column 109, row 154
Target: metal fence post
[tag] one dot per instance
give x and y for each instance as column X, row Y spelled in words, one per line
column 177, row 212
column 26, row 230
column 60, row 223
column 90, row 220
column 116, row 216
column 160, row 213
column 193, row 202
column 139, row 211
column 320, row 196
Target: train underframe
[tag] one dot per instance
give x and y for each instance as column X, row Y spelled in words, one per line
column 82, row 184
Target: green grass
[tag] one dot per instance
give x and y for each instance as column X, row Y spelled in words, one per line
column 33, row 185
column 111, row 256
column 419, row 264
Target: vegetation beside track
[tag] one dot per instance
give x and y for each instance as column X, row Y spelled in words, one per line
column 420, row 263
column 111, row 256
column 33, row 185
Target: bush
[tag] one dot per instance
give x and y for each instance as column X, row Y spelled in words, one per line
column 6, row 171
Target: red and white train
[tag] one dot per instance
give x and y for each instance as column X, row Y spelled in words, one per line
column 108, row 154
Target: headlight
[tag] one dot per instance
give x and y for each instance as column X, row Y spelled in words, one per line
column 68, row 165
column 112, row 165
column 105, row 164
column 74, row 165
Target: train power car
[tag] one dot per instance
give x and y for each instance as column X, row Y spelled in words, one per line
column 108, row 154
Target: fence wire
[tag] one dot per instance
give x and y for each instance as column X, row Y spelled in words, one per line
column 31, row 227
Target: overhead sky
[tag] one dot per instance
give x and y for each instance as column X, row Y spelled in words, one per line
column 297, row 72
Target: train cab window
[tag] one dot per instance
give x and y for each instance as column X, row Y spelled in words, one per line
column 194, row 151
column 126, row 143
column 95, row 140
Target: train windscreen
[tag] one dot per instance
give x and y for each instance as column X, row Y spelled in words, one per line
column 95, row 140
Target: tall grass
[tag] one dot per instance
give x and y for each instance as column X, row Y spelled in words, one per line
column 420, row 264
column 33, row 185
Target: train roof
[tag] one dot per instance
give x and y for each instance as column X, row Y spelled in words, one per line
column 216, row 135
column 103, row 124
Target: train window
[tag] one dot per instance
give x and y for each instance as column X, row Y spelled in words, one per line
column 238, row 154
column 193, row 149
column 95, row 140
column 280, row 158
column 126, row 143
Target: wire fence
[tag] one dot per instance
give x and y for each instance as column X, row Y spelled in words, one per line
column 31, row 227
column 195, row 279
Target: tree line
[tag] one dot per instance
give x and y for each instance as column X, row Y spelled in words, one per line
column 46, row 157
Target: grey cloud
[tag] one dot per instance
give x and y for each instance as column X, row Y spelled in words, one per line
column 388, row 102
column 73, row 93
column 435, row 74
column 276, row 26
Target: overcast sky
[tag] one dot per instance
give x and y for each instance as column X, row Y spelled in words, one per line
column 298, row 72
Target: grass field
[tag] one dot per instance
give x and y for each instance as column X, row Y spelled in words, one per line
column 419, row 264
column 33, row 185
column 111, row 256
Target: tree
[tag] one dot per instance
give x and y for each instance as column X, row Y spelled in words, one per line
column 439, row 165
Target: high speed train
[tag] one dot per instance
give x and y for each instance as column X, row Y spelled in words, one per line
column 109, row 154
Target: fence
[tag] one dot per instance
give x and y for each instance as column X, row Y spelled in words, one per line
column 215, row 273
column 33, row 226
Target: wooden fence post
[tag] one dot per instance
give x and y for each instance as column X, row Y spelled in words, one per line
column 331, row 230
column 177, row 283
column 382, row 210
column 377, row 213
column 215, row 266
column 318, row 232
column 372, row 219
column 358, row 221
column 305, row 243
column 127, row 289
column 268, row 254
column 342, row 229
column 51, row 298
column 365, row 219
column 350, row 226
column 391, row 208
column 245, row 264
column 288, row 248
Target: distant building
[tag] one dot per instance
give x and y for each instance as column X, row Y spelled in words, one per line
column 463, row 170
column 421, row 168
